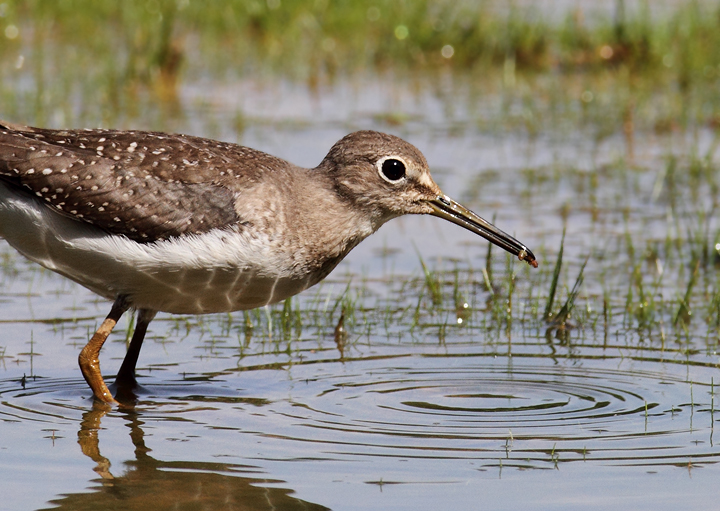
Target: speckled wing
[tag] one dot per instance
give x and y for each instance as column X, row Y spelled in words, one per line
column 146, row 186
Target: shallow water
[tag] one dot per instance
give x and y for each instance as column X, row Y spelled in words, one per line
column 388, row 423
column 473, row 401
column 400, row 414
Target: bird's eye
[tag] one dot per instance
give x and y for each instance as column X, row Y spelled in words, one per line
column 392, row 170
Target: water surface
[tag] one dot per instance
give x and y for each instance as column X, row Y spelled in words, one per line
column 446, row 392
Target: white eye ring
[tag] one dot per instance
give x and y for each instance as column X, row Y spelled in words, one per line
column 392, row 169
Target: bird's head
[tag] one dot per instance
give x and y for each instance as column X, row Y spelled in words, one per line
column 387, row 177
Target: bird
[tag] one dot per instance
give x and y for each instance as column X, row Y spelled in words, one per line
column 174, row 223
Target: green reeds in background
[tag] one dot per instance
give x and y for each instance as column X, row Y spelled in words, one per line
column 333, row 37
column 74, row 57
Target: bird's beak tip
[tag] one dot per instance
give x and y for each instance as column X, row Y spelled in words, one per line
column 447, row 209
column 528, row 257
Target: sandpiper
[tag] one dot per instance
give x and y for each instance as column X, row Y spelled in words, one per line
column 188, row 225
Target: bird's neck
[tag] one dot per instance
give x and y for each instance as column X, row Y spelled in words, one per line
column 315, row 230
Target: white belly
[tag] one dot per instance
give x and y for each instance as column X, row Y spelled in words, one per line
column 218, row 271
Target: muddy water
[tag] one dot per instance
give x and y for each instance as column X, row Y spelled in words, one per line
column 407, row 412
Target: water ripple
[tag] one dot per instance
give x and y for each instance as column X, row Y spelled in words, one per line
column 472, row 408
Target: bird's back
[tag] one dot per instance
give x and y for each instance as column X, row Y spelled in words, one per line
column 143, row 185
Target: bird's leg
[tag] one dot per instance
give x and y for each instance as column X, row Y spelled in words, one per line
column 126, row 375
column 88, row 359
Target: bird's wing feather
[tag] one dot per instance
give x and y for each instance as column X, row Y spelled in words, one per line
column 146, row 186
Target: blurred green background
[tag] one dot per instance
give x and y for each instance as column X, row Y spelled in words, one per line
column 622, row 65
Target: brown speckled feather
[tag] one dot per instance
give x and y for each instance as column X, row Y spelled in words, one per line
column 144, row 185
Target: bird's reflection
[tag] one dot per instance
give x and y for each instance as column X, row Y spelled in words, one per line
column 149, row 483
column 89, row 441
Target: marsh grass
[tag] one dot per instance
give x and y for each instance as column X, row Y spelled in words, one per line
column 432, row 282
column 555, row 278
column 341, row 37
column 563, row 315
column 614, row 73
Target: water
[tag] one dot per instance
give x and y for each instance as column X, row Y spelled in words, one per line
column 389, row 423
column 396, row 416
column 474, row 401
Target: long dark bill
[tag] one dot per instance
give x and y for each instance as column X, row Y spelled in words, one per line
column 446, row 208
